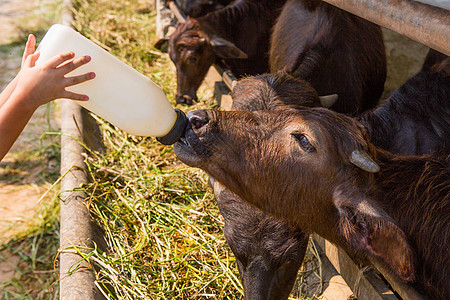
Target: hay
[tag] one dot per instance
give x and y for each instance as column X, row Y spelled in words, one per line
column 162, row 227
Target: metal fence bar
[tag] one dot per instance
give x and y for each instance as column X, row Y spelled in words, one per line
column 426, row 24
column 177, row 12
column 227, row 76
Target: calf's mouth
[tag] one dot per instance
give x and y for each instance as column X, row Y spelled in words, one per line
column 191, row 149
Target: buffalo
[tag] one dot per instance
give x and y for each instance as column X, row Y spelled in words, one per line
column 337, row 52
column 273, row 91
column 419, row 106
column 415, row 119
column 239, row 34
column 317, row 170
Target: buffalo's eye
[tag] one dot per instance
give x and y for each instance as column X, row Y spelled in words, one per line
column 304, row 143
column 192, row 60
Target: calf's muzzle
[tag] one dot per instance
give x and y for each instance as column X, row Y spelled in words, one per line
column 198, row 119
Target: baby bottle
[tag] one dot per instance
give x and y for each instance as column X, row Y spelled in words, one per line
column 119, row 94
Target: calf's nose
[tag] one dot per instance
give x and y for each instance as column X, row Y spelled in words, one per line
column 198, row 118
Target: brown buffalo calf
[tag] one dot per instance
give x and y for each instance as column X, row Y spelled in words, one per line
column 317, row 170
column 271, row 91
column 239, row 34
column 415, row 119
column 268, row 251
column 418, row 106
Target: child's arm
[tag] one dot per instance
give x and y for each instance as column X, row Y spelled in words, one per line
column 36, row 86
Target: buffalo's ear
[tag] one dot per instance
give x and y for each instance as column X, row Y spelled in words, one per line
column 368, row 229
column 162, row 44
column 226, row 49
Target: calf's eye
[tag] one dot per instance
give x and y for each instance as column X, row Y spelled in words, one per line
column 192, row 60
column 304, row 143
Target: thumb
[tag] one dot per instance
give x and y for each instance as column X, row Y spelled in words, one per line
column 29, row 47
column 30, row 61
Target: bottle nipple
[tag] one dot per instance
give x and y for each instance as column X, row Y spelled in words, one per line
column 177, row 130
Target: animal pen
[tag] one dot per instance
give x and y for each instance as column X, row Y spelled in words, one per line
column 422, row 22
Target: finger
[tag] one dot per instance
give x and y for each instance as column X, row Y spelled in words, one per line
column 31, row 59
column 74, row 96
column 34, row 58
column 79, row 79
column 59, row 59
column 29, row 47
column 75, row 64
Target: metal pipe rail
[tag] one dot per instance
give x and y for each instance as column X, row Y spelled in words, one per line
column 426, row 24
column 227, row 76
column 181, row 17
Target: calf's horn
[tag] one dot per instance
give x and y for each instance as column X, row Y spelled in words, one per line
column 362, row 160
column 328, row 100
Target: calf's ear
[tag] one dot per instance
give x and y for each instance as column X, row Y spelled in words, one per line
column 162, row 44
column 368, row 229
column 226, row 49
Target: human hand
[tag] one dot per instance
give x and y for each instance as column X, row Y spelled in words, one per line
column 41, row 84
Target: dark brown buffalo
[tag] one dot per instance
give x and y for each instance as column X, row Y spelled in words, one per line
column 337, row 52
column 239, row 34
column 198, row 8
column 317, row 170
column 415, row 119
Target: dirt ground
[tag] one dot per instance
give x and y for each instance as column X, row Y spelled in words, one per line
column 404, row 59
column 20, row 188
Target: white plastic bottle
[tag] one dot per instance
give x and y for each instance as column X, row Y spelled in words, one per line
column 119, row 94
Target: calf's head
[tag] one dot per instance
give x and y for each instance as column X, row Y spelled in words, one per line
column 193, row 52
column 309, row 166
column 276, row 90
